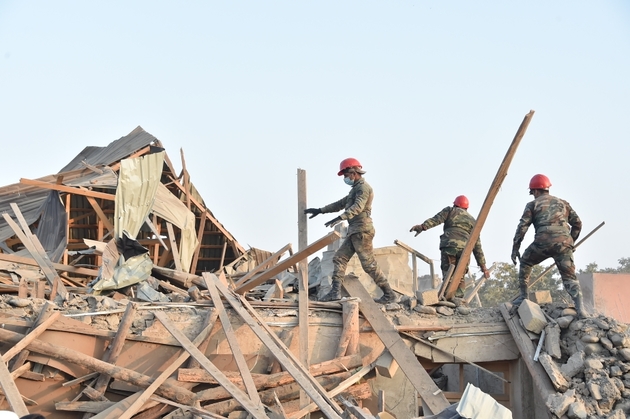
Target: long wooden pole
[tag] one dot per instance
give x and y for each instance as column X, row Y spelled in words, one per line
column 462, row 264
column 302, row 279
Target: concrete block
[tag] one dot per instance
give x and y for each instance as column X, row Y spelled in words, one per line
column 577, row 410
column 386, row 365
column 540, row 297
column 532, row 316
column 553, row 371
column 552, row 340
column 428, row 297
column 559, row 404
column 574, row 365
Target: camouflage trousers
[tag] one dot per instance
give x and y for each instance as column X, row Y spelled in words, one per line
column 361, row 244
column 450, row 256
column 561, row 253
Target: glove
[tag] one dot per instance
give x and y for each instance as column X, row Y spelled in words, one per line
column 418, row 229
column 515, row 255
column 313, row 211
column 333, row 222
column 486, row 274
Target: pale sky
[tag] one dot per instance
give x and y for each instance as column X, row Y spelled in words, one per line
column 428, row 95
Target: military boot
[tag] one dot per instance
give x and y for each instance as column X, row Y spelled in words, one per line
column 334, row 294
column 389, row 296
column 521, row 297
column 579, row 307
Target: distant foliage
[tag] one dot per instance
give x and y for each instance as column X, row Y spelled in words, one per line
column 623, row 268
column 502, row 286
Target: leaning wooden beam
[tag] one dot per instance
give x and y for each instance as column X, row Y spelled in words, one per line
column 290, row 261
column 462, row 264
column 68, row 189
column 343, row 386
column 525, row 346
column 170, row 388
column 409, row 364
column 31, row 336
column 284, row 356
column 101, row 214
column 11, row 391
column 202, row 227
column 174, row 248
column 255, row 410
column 44, row 313
column 170, row 369
column 34, row 247
column 209, row 320
column 117, row 345
column 349, row 340
column 263, row 265
column 230, row 335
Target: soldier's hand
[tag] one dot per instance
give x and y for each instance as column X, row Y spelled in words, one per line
column 418, row 229
column 313, row 211
column 515, row 255
column 333, row 222
column 486, row 274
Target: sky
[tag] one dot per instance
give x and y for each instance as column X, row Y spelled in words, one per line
column 427, row 95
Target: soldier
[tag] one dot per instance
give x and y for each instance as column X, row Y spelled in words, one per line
column 557, row 227
column 357, row 208
column 458, row 224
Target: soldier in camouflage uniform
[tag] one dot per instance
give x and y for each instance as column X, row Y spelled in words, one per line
column 557, row 227
column 458, row 224
column 357, row 208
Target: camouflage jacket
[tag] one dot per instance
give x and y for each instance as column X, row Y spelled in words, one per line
column 458, row 223
column 553, row 219
column 357, row 208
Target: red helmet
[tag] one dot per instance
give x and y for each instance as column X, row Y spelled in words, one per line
column 461, row 201
column 347, row 163
column 540, row 182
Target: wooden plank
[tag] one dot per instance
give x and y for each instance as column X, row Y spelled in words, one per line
column 255, row 410
column 186, row 177
column 464, row 259
column 90, row 407
column 302, row 279
column 282, row 354
column 170, row 369
column 101, row 214
column 30, row 242
column 527, row 349
column 174, row 248
column 200, row 231
column 230, row 335
column 409, row 364
column 44, row 313
column 58, row 266
column 11, row 391
column 262, row 266
column 34, row 334
column 288, row 262
column 68, row 189
column 117, row 345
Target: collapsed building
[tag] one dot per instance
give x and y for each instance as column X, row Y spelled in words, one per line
column 122, row 295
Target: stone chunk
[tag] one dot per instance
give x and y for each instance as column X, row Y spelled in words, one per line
column 577, row 410
column 593, row 363
column 445, row 311
column 532, row 316
column 425, row 310
column 386, row 365
column 625, row 353
column 552, row 340
column 553, row 371
column 574, row 365
column 564, row 321
column 428, row 297
column 617, row 414
column 559, row 404
column 540, row 297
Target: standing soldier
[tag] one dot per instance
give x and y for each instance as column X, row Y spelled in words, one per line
column 458, row 223
column 557, row 227
column 357, row 208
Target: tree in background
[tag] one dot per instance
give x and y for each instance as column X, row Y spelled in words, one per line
column 623, row 268
column 502, row 286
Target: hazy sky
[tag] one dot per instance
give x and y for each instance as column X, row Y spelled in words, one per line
column 428, row 95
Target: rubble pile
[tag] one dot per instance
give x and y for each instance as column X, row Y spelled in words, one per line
column 588, row 361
